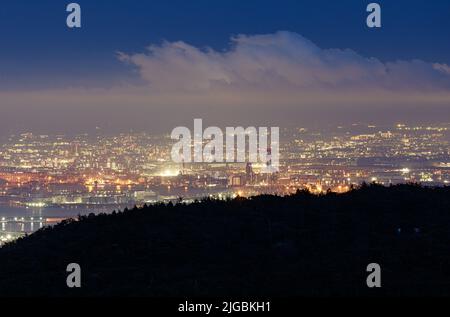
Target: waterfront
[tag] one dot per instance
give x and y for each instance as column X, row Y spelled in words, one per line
column 16, row 221
column 47, row 178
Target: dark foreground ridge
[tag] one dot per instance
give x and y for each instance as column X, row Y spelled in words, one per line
column 264, row 246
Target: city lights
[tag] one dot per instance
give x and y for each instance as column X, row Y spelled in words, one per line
column 114, row 172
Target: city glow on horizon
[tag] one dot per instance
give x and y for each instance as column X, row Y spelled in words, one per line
column 112, row 172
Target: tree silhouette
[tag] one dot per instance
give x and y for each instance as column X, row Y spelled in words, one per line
column 298, row 245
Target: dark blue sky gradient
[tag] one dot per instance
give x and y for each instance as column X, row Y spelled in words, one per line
column 37, row 49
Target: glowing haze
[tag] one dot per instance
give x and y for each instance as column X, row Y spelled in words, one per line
column 278, row 79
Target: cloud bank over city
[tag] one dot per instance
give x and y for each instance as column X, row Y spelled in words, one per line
column 280, row 78
column 280, row 61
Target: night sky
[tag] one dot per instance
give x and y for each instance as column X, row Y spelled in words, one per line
column 269, row 60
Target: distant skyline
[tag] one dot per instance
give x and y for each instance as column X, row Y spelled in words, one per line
column 154, row 65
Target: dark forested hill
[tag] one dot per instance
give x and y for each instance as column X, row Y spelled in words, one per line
column 298, row 245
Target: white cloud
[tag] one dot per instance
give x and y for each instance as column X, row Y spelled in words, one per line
column 277, row 62
column 272, row 79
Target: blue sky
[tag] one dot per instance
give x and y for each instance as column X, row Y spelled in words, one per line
column 36, row 43
column 290, row 61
